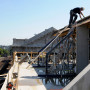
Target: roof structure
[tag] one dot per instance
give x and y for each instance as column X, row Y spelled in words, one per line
column 24, row 42
column 83, row 21
column 42, row 34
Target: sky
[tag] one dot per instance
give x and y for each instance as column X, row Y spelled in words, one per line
column 22, row 19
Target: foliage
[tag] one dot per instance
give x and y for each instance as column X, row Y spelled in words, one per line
column 3, row 52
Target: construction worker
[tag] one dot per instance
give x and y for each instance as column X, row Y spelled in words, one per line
column 73, row 15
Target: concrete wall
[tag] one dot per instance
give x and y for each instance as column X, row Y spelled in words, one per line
column 82, row 47
column 81, row 81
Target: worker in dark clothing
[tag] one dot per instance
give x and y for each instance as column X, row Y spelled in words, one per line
column 73, row 15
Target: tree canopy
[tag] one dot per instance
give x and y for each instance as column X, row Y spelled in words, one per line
column 3, row 52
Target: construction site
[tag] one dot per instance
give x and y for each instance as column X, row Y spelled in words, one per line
column 51, row 60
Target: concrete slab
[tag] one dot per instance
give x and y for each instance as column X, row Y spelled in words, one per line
column 27, row 79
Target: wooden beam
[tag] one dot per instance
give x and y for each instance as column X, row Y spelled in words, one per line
column 88, row 25
column 77, row 25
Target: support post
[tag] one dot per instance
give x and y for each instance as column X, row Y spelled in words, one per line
column 82, row 48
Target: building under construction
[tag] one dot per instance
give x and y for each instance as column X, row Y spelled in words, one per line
column 51, row 60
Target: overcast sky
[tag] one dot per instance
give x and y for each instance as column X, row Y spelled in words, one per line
column 22, row 19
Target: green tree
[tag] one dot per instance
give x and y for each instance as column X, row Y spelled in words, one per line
column 4, row 52
column 1, row 52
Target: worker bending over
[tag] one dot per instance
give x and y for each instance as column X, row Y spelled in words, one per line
column 73, row 15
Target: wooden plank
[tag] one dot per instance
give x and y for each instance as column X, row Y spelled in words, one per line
column 88, row 25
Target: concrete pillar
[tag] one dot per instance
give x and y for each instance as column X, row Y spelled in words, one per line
column 82, row 48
